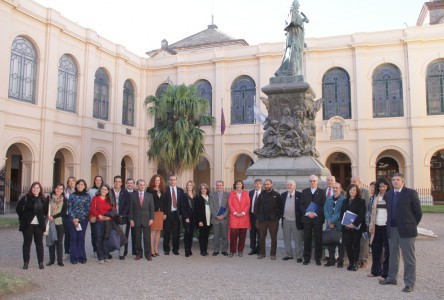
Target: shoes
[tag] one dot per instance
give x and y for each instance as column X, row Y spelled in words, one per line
column 340, row 265
column 66, row 256
column 108, row 261
column 306, row 262
column 25, row 266
column 224, row 253
column 407, row 289
column 286, row 258
column 355, row 268
column 101, row 262
column 273, row 257
column 149, row 258
column 329, row 264
column 260, row 256
column 41, row 267
column 122, row 257
column 318, row 262
column 61, row 264
column 203, row 253
column 252, row 252
column 138, row 257
column 82, row 261
column 215, row 253
column 74, row 262
column 176, row 252
column 230, row 255
column 95, row 254
column 50, row 263
column 110, row 256
column 240, row 254
column 187, row 255
column 327, row 258
column 166, row 253
column 363, row 264
column 386, row 282
column 299, row 260
column 370, row 275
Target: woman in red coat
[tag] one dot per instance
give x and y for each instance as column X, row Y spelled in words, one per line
column 239, row 220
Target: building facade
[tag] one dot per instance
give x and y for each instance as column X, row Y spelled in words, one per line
column 72, row 102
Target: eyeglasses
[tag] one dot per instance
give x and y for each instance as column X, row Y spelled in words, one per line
column 312, row 180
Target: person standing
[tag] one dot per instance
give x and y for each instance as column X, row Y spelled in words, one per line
column 292, row 222
column 328, row 193
column 70, row 189
column 187, row 213
column 32, row 217
column 403, row 216
column 129, row 186
column 239, row 220
column 120, row 199
column 268, row 211
column 351, row 233
column 254, row 231
column 94, row 191
column 78, row 210
column 157, row 189
column 365, row 194
column 312, row 206
column 171, row 224
column 218, row 203
column 203, row 217
column 141, row 217
column 332, row 212
column 57, row 206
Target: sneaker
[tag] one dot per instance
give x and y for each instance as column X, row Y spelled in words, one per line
column 101, row 261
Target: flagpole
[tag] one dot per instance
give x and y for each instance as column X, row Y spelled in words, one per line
column 222, row 154
column 254, row 125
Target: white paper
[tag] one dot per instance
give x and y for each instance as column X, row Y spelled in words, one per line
column 79, row 228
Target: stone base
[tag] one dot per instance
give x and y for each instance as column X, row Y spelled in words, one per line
column 281, row 169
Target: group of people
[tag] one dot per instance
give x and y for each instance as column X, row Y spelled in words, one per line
column 385, row 218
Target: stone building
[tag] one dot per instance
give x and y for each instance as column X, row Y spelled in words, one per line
column 72, row 102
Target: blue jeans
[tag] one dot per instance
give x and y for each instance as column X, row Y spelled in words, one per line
column 77, row 241
column 98, row 234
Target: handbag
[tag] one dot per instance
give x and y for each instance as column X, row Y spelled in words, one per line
column 331, row 237
column 51, row 237
column 47, row 220
column 112, row 243
column 91, row 217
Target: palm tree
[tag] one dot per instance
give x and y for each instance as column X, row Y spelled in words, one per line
column 176, row 140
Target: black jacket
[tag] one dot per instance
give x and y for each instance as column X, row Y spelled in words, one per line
column 297, row 199
column 319, row 199
column 357, row 206
column 268, row 206
column 30, row 206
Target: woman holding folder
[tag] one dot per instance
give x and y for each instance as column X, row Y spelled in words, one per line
column 203, row 217
column 353, row 212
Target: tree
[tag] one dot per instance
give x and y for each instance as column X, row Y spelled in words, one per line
column 176, row 140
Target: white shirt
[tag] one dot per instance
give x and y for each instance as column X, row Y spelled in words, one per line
column 255, row 195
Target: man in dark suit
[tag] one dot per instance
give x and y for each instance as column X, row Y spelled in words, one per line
column 129, row 187
column 141, row 217
column 171, row 224
column 312, row 219
column 121, row 199
column 254, row 231
column 403, row 216
column 292, row 222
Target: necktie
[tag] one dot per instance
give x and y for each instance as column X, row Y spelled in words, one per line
column 141, row 198
column 174, row 198
column 254, row 200
column 328, row 192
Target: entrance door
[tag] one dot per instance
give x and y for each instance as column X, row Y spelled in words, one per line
column 342, row 173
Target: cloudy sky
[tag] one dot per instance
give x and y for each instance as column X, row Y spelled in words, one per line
column 140, row 25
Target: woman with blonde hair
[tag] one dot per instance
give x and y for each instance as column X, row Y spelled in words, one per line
column 187, row 213
column 157, row 188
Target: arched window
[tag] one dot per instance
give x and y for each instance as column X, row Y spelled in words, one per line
column 67, row 85
column 128, row 104
column 243, row 92
column 387, row 92
column 101, row 95
column 435, row 88
column 161, row 89
column 205, row 90
column 22, row 73
column 336, row 94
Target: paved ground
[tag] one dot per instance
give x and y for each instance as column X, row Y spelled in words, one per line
column 197, row 277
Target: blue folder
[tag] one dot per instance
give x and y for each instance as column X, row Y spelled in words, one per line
column 349, row 218
column 221, row 211
column 312, row 207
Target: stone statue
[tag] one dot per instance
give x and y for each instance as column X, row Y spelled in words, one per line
column 294, row 47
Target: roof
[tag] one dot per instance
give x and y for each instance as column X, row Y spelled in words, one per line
column 209, row 38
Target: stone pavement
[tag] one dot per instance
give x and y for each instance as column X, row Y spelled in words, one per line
column 197, row 277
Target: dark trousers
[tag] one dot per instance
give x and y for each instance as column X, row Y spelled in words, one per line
column 203, row 238
column 28, row 234
column 171, row 226
column 99, row 229
column 380, row 252
column 312, row 229
column 145, row 233
column 93, row 237
column 77, row 241
column 237, row 239
column 352, row 240
column 133, row 239
column 254, row 234
column 57, row 245
column 67, row 240
column 188, row 235
column 272, row 227
column 341, row 252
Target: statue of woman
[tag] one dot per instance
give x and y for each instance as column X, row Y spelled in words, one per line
column 292, row 61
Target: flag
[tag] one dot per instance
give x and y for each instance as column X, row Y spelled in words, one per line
column 258, row 114
column 222, row 122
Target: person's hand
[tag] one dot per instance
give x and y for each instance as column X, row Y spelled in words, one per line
column 75, row 221
column 101, row 218
column 200, row 224
column 220, row 218
column 350, row 226
column 150, row 223
column 311, row 215
column 331, row 226
column 187, row 220
column 131, row 223
column 371, row 230
column 164, row 217
column 50, row 218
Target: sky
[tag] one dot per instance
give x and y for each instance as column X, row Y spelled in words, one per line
column 140, row 25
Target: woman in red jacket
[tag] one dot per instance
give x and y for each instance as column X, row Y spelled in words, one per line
column 239, row 220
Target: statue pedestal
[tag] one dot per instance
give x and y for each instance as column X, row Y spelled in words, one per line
column 282, row 169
